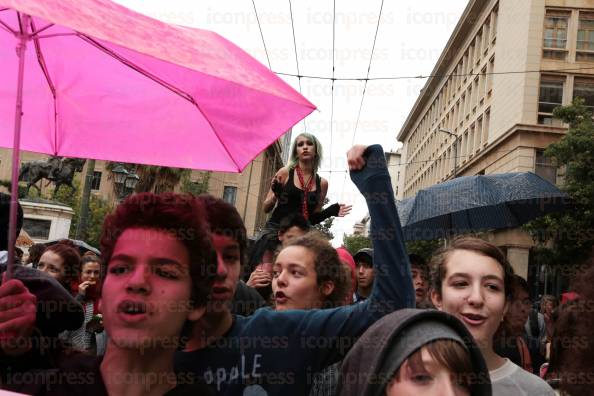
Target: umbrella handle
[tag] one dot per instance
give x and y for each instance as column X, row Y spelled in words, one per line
column 14, row 188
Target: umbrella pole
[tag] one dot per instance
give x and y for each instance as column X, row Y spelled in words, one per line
column 16, row 144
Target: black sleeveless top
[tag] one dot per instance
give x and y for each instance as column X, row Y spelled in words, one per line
column 291, row 199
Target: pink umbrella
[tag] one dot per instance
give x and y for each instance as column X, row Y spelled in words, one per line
column 101, row 81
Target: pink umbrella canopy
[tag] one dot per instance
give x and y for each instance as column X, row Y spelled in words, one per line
column 93, row 79
column 104, row 82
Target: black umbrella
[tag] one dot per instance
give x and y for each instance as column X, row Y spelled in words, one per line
column 478, row 203
column 82, row 246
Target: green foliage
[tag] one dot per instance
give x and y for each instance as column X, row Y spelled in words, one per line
column 21, row 189
column 324, row 228
column 98, row 210
column 159, row 179
column 354, row 243
column 425, row 249
column 569, row 235
column 195, row 187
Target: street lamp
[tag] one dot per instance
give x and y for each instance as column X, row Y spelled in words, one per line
column 124, row 180
column 119, row 174
column 131, row 182
column 455, row 149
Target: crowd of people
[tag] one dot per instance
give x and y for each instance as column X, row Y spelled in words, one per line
column 177, row 304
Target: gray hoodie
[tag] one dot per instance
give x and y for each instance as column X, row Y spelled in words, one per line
column 374, row 359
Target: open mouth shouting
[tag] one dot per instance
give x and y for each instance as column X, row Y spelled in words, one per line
column 280, row 297
column 132, row 311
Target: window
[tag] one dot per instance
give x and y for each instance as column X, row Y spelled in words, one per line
column 585, row 37
column 490, row 70
column 37, row 228
column 555, row 34
column 96, row 182
column 230, row 194
column 551, row 96
column 585, row 89
column 544, row 168
column 486, row 34
column 486, row 127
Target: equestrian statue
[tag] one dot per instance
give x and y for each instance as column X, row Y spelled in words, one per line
column 58, row 170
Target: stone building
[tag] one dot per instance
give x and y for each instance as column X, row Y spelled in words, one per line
column 507, row 65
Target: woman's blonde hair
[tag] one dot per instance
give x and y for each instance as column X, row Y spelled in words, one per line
column 294, row 160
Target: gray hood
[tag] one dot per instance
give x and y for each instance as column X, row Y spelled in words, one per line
column 370, row 364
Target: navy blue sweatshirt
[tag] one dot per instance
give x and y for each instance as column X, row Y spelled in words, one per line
column 278, row 353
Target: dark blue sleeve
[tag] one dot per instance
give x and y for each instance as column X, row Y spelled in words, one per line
column 392, row 289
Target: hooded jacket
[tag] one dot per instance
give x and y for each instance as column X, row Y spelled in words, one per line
column 366, row 370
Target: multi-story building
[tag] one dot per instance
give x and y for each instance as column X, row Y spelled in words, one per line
column 396, row 170
column 487, row 108
column 245, row 190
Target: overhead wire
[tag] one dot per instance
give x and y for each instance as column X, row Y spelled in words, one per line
column 333, row 70
column 379, row 18
column 433, row 75
column 296, row 57
column 261, row 34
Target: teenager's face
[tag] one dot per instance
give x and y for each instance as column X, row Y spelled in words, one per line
column 420, row 284
column 519, row 309
column 290, row 234
column 294, row 282
column 433, row 379
column 228, row 268
column 90, row 272
column 52, row 264
column 472, row 290
column 147, row 290
column 365, row 274
column 305, row 148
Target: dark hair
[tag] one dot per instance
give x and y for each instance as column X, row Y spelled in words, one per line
column 4, row 219
column 178, row 214
column 418, row 262
column 223, row 219
column 328, row 267
column 519, row 283
column 71, row 260
column 293, row 220
column 89, row 258
column 35, row 253
column 477, row 245
column 449, row 354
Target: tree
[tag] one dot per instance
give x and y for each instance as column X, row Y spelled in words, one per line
column 570, row 233
column 425, row 249
column 354, row 243
column 324, row 228
column 98, row 210
column 159, row 179
column 195, row 187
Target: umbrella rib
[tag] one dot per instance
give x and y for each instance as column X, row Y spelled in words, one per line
column 42, row 64
column 36, row 32
column 136, row 68
column 156, row 79
column 8, row 27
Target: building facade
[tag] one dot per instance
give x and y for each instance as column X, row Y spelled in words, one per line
column 488, row 108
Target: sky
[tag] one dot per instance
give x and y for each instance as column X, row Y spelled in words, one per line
column 410, row 38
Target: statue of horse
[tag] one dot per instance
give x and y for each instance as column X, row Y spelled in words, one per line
column 55, row 169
